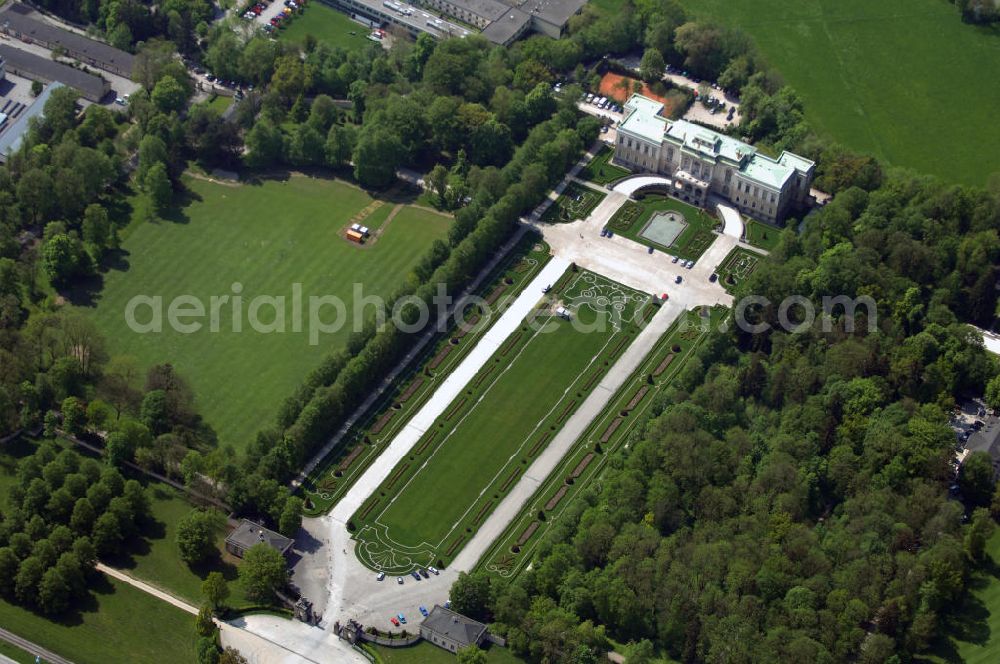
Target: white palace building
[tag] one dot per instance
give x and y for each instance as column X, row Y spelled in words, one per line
column 700, row 162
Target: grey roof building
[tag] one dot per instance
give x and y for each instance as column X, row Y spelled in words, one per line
column 451, row 631
column 987, row 440
column 22, row 63
column 12, row 136
column 249, row 534
column 19, row 21
column 702, row 161
column 550, row 17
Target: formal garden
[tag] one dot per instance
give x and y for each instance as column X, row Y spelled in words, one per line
column 737, row 267
column 575, row 202
column 365, row 441
column 604, row 438
column 666, row 224
column 436, row 498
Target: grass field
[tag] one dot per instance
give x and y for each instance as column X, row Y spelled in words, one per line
column 576, row 202
column 117, row 623
column 585, row 463
column 324, row 487
column 328, row 26
column 265, row 237
column 600, row 170
column 16, row 654
column 972, row 635
column 436, row 498
column 154, row 557
column 426, row 653
column 736, row 267
column 107, row 621
column 632, row 217
column 762, row 235
column 905, row 80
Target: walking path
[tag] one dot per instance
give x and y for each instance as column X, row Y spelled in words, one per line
column 148, row 589
column 353, row 590
column 47, row 656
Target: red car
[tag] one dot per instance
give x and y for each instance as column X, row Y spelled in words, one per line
column 394, row 620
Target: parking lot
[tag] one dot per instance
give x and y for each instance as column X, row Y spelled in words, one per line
column 269, row 13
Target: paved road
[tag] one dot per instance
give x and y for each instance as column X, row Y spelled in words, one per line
column 47, row 656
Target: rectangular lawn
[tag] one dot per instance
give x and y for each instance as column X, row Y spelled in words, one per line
column 490, row 434
column 116, row 624
column 328, row 26
column 265, row 238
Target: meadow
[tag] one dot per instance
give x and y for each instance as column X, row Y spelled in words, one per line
column 264, row 237
column 428, row 507
column 904, row 80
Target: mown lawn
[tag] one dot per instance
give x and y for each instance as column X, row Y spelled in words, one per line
column 761, row 235
column 598, row 446
column 324, row 487
column 427, row 653
column 632, row 218
column 328, row 26
column 905, row 80
column 264, row 237
column 155, row 558
column 600, row 170
column 14, row 652
column 117, row 623
column 490, row 434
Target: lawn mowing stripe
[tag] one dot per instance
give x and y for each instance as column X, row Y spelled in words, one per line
column 265, row 237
